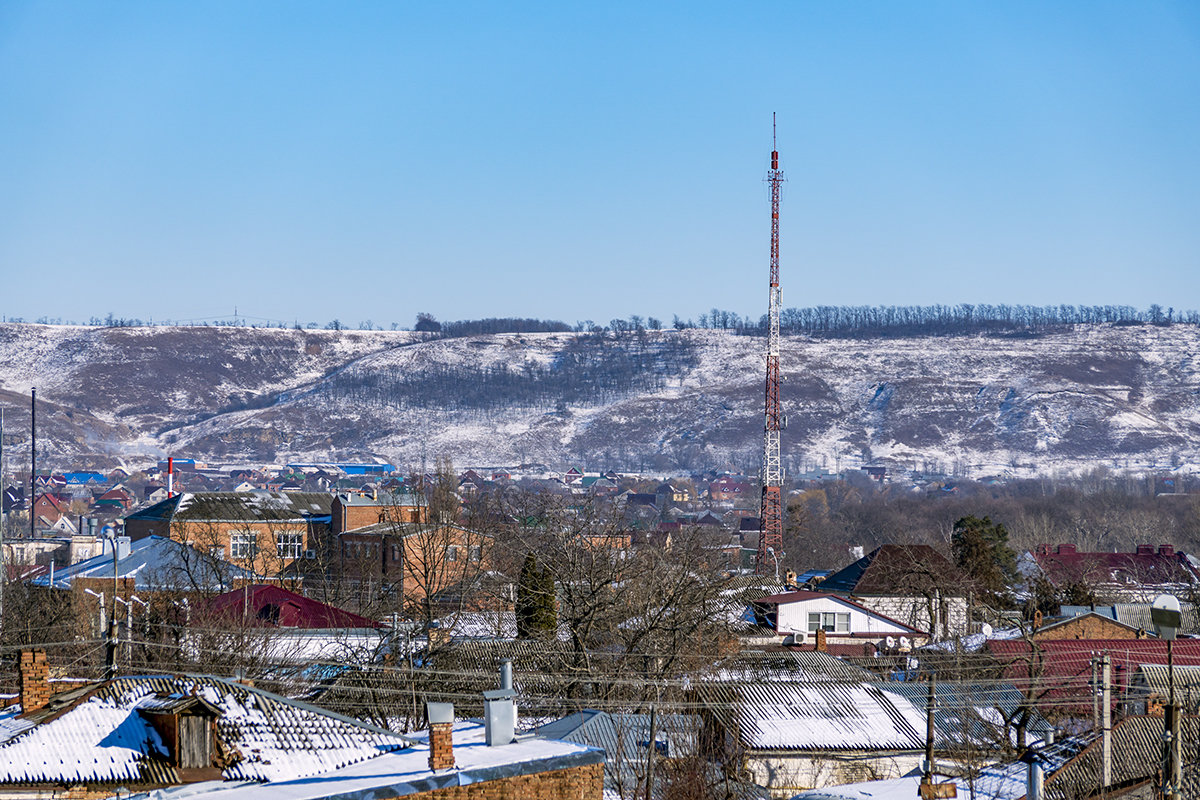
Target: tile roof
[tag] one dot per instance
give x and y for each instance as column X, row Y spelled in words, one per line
column 96, row 735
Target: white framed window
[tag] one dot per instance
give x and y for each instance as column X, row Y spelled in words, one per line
column 830, row 622
column 241, row 545
column 289, row 545
column 452, row 553
column 475, row 553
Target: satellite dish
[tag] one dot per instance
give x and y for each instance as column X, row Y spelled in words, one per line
column 890, row 642
column 1165, row 613
column 986, row 630
column 905, row 643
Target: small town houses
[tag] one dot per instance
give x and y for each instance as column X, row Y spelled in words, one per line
column 348, row 588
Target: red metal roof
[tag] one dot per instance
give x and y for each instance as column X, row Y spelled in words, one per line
column 1146, row 565
column 274, row 606
column 1058, row 672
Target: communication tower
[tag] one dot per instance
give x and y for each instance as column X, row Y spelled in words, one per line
column 770, row 534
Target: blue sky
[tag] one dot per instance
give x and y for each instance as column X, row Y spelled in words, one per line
column 369, row 160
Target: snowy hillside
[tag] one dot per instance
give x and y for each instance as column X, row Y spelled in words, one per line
column 1117, row 396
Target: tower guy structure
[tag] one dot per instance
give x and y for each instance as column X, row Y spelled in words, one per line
column 770, row 532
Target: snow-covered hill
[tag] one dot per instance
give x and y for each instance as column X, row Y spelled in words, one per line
column 1096, row 395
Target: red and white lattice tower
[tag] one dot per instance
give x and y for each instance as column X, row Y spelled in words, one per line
column 770, row 535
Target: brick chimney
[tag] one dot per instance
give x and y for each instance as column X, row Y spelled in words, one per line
column 822, row 645
column 34, row 679
column 441, row 744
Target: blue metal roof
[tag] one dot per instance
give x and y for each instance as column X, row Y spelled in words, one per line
column 155, row 563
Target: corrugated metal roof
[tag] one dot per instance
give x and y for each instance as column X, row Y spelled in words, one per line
column 819, row 716
column 887, row 715
column 96, row 735
column 792, row 666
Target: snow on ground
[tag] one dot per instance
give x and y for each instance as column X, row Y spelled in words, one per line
column 1125, row 398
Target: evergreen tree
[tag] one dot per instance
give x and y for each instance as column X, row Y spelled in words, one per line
column 537, row 614
column 981, row 551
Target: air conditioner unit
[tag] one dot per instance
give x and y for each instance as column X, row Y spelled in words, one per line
column 310, row 554
column 797, row 637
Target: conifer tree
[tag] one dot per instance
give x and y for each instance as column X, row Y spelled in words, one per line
column 537, row 614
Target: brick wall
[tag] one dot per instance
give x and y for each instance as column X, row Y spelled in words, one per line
column 34, row 678
column 575, row 783
column 1087, row 627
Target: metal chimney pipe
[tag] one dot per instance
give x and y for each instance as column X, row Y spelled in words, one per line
column 506, row 680
column 170, row 476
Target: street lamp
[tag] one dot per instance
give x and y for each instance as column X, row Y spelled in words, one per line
column 771, row 550
column 1165, row 613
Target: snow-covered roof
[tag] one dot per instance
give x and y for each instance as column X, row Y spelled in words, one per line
column 97, row 734
column 155, row 562
column 999, row 782
column 403, row 772
column 837, row 715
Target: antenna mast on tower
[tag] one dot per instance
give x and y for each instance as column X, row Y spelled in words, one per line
column 770, row 534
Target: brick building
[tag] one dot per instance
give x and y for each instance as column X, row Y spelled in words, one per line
column 263, row 531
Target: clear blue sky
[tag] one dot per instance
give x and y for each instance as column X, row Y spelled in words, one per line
column 369, row 160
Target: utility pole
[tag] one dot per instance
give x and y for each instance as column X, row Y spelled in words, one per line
column 1173, row 774
column 770, row 532
column 651, row 746
column 1106, row 711
column 110, row 646
column 931, row 702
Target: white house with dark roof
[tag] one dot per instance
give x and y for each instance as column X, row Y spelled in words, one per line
column 800, row 614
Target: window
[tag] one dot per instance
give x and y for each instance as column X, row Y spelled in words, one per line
column 396, row 553
column 830, row 622
column 452, row 553
column 289, row 545
column 241, row 545
column 475, row 553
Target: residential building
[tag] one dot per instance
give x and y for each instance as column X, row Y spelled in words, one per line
column 263, row 531
column 1136, row 577
column 913, row 584
column 800, row 614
